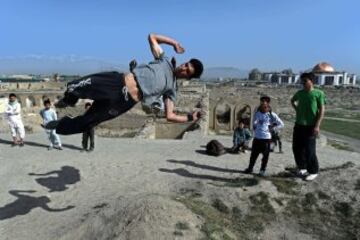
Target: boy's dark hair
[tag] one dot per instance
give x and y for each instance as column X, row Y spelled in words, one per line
column 309, row 75
column 198, row 66
column 265, row 98
column 46, row 101
column 88, row 104
column 12, row 95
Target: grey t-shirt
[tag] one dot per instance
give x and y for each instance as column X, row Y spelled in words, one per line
column 156, row 79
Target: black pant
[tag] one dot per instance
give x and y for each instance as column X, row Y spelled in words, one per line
column 304, row 148
column 275, row 138
column 259, row 146
column 111, row 99
column 89, row 134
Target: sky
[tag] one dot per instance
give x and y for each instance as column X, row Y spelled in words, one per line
column 266, row 34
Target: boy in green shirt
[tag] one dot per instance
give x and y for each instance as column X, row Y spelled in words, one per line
column 309, row 104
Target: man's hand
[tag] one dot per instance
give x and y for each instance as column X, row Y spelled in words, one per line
column 178, row 48
column 316, row 131
column 197, row 115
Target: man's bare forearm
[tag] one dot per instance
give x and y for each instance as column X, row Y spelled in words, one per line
column 320, row 116
column 177, row 118
column 162, row 39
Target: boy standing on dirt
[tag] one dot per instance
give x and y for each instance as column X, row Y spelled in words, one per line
column 309, row 104
column 262, row 123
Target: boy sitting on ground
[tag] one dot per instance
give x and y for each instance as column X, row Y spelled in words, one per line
column 241, row 138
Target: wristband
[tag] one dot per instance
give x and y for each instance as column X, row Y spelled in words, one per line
column 190, row 117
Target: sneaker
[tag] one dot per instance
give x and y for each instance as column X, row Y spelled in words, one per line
column 248, row 171
column 83, row 150
column 13, row 144
column 60, row 148
column 311, row 177
column 21, row 144
column 90, row 150
column 262, row 173
column 302, row 173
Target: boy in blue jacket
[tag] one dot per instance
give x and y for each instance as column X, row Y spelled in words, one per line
column 241, row 138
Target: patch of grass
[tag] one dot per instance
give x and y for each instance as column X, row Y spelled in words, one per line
column 178, row 233
column 192, row 193
column 221, row 223
column 340, row 167
column 215, row 222
column 279, row 201
column 286, row 186
column 346, row 115
column 213, row 232
column 242, row 182
column 341, row 127
column 236, row 213
column 220, row 206
column 238, row 183
column 343, row 208
column 323, row 196
column 182, row 226
column 357, row 185
column 261, row 203
column 340, row 145
column 316, row 218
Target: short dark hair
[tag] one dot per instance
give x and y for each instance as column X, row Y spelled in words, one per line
column 46, row 101
column 198, row 67
column 88, row 104
column 12, row 95
column 308, row 75
column 265, row 98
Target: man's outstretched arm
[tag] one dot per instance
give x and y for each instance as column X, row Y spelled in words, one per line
column 172, row 117
column 155, row 41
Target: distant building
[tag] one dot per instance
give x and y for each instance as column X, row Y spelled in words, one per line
column 281, row 77
column 335, row 78
column 288, row 77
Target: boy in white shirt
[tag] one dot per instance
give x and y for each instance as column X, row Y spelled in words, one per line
column 264, row 122
column 13, row 116
column 48, row 114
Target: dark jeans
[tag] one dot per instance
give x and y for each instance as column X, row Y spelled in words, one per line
column 259, row 146
column 304, row 148
column 110, row 96
column 276, row 139
column 89, row 134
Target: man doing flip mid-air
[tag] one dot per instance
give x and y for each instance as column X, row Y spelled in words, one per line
column 115, row 93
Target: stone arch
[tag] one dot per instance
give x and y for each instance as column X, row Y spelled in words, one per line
column 22, row 100
column 242, row 112
column 30, row 101
column 222, row 116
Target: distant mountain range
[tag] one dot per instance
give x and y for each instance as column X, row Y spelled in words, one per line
column 35, row 64
column 214, row 73
column 38, row 64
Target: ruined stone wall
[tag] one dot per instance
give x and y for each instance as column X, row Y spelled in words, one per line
column 33, row 86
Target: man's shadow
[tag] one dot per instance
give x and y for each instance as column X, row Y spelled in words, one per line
column 203, row 166
column 35, row 144
column 65, row 176
column 25, row 203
